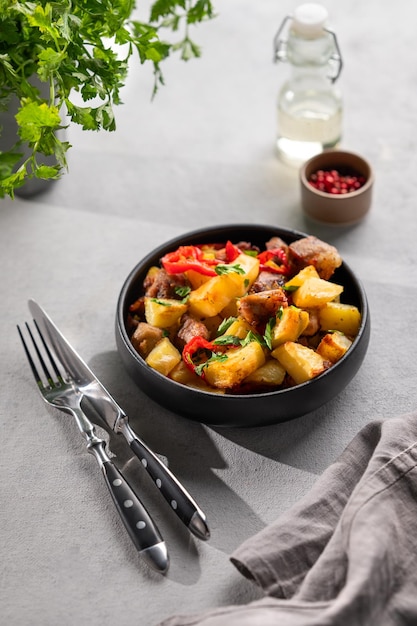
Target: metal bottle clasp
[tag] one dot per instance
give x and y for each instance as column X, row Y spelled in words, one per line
column 280, row 50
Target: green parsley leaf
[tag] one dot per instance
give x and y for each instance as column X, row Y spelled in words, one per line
column 252, row 336
column 161, row 302
column 227, row 340
column 214, row 357
column 34, row 117
column 268, row 332
column 225, row 324
column 229, row 269
column 183, row 292
column 291, row 288
column 47, row 172
column 202, row 9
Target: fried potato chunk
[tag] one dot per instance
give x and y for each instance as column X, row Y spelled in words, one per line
column 240, row 362
column 300, row 362
column 343, row 317
column 164, row 357
column 333, row 346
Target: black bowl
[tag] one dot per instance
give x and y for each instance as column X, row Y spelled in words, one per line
column 255, row 409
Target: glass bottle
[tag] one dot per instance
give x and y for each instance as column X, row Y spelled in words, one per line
column 309, row 104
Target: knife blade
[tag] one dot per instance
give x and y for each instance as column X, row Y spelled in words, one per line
column 180, row 501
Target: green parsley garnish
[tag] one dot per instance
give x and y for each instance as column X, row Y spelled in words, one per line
column 229, row 269
column 251, row 336
column 225, row 324
column 161, row 302
column 291, row 288
column 214, row 357
column 227, row 340
column 183, row 292
column 268, row 331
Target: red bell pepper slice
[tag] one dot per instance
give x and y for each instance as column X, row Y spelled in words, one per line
column 191, row 348
column 188, row 258
column 232, row 251
column 274, row 260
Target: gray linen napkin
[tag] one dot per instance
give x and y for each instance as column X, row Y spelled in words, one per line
column 346, row 554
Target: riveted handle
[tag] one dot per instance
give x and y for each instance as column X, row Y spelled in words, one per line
column 171, row 489
column 142, row 530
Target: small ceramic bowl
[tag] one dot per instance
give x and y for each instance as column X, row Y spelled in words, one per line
column 251, row 409
column 331, row 208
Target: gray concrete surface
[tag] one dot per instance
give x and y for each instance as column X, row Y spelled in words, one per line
column 202, row 153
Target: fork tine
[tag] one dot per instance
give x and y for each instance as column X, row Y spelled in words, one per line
column 48, row 352
column 29, row 357
column 40, row 357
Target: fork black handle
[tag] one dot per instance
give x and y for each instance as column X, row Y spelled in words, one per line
column 172, row 490
column 138, row 523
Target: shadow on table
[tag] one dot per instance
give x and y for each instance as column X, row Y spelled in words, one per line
column 191, row 454
column 190, row 449
column 309, row 443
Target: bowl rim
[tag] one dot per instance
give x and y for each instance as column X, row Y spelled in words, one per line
column 337, row 197
column 204, row 231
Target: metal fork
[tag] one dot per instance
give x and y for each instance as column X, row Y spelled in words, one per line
column 62, row 392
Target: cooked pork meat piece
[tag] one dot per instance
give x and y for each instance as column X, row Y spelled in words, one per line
column 145, row 338
column 257, row 308
column 267, row 281
column 313, row 251
column 192, row 327
column 276, row 242
column 313, row 326
column 159, row 284
column 246, row 245
column 138, row 307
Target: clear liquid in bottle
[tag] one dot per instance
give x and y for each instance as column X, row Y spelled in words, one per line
column 306, row 129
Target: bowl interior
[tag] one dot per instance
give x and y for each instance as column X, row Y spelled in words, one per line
column 246, row 409
column 337, row 159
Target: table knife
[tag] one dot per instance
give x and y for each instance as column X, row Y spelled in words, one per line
column 103, row 402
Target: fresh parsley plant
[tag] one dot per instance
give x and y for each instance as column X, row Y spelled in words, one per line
column 71, row 46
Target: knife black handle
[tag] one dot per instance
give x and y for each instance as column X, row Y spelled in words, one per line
column 142, row 530
column 174, row 493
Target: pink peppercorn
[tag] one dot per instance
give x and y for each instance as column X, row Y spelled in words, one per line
column 335, row 182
